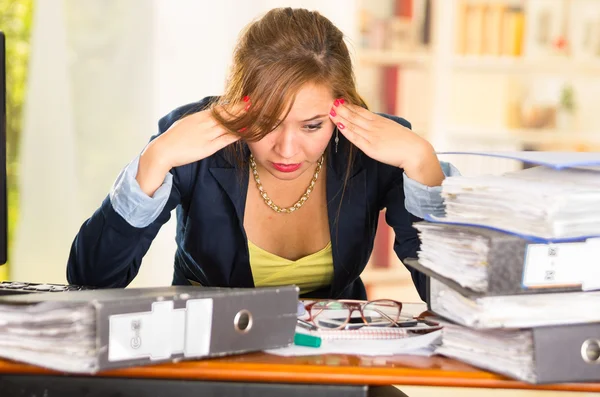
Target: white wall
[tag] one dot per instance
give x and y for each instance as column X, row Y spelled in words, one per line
column 48, row 144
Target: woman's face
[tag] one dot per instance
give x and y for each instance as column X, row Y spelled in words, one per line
column 300, row 140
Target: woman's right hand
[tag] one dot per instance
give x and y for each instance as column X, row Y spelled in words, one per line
column 189, row 139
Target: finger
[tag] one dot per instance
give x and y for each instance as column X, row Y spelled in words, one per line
column 224, row 140
column 344, row 124
column 362, row 112
column 358, row 140
column 350, row 114
column 232, row 111
column 212, row 128
column 235, row 109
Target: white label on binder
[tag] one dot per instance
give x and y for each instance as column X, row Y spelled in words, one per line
column 178, row 333
column 162, row 332
column 161, row 338
column 555, row 264
column 591, row 274
column 198, row 326
column 129, row 336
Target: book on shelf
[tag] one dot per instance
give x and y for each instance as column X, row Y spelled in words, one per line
column 489, row 28
column 395, row 25
column 493, row 28
column 539, row 29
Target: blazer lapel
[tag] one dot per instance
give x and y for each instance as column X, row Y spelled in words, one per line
column 235, row 185
column 346, row 208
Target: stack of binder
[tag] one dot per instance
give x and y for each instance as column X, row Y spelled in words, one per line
column 514, row 268
column 89, row 331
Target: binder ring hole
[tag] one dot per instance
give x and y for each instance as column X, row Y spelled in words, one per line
column 243, row 321
column 590, row 351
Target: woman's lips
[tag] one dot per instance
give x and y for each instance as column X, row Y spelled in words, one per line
column 286, row 167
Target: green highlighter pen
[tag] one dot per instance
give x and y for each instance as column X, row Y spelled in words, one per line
column 307, row 340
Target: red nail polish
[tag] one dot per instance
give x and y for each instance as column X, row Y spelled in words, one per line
column 341, row 126
column 342, row 101
column 333, row 113
column 242, row 129
column 247, row 107
column 246, row 98
column 336, row 103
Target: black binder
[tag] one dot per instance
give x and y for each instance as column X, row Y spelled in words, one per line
column 506, row 263
column 89, row 331
column 558, row 354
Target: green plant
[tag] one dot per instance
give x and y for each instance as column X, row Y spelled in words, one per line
column 15, row 22
column 567, row 98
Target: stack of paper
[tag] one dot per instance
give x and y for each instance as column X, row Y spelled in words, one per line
column 513, row 264
column 416, row 345
column 61, row 335
column 509, row 352
column 540, row 201
column 514, row 311
column 455, row 253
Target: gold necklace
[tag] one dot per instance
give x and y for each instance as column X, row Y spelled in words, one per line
column 302, row 199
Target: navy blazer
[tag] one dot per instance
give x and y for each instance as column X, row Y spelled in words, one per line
column 212, row 247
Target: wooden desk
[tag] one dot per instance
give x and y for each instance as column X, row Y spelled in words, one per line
column 328, row 371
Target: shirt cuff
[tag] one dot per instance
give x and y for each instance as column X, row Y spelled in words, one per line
column 135, row 206
column 421, row 200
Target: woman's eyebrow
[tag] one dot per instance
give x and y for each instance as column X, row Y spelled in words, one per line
column 318, row 116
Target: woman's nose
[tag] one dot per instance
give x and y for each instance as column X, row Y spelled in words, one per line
column 285, row 144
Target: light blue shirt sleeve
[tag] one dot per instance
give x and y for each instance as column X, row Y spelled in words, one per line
column 421, row 200
column 135, row 206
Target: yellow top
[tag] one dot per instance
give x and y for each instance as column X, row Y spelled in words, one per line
column 309, row 273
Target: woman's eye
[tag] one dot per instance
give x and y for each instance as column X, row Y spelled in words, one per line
column 313, row 127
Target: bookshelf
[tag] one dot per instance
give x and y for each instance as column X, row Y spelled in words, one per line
column 394, row 58
column 525, row 137
column 481, row 42
column 477, row 75
column 505, row 64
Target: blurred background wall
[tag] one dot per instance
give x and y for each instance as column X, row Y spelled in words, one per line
column 468, row 74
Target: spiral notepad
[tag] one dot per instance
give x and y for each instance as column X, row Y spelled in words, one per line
column 373, row 333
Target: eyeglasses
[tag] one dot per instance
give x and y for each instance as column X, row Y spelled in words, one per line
column 338, row 314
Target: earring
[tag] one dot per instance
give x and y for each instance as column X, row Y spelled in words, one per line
column 337, row 139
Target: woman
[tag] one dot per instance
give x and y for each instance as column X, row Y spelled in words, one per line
column 279, row 181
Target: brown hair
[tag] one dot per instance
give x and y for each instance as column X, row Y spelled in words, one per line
column 275, row 56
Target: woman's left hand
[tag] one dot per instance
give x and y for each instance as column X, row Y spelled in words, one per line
column 389, row 142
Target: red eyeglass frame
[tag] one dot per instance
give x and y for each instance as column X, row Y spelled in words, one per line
column 353, row 305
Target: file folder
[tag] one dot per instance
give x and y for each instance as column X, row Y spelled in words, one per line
column 508, row 288
column 512, row 311
column 555, row 354
column 484, row 262
column 89, row 331
column 557, row 202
